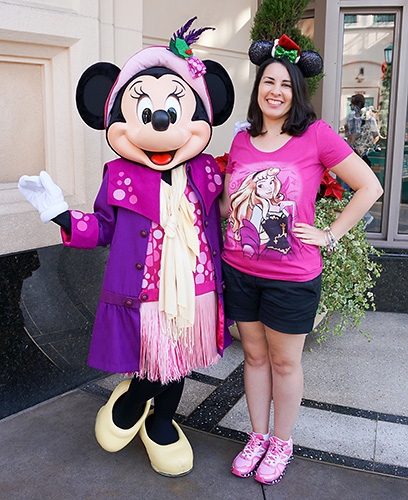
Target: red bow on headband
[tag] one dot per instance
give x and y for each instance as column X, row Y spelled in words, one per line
column 285, row 47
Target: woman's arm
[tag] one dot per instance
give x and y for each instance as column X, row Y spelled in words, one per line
column 224, row 200
column 359, row 176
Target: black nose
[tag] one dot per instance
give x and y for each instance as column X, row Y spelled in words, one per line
column 160, row 120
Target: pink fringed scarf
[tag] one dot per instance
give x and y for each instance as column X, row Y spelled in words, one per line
column 166, row 360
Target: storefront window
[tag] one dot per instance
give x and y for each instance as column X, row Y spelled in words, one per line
column 365, row 90
column 403, row 215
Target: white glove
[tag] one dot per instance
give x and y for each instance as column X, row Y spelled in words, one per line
column 240, row 126
column 43, row 194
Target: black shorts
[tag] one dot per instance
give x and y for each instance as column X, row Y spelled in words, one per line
column 284, row 306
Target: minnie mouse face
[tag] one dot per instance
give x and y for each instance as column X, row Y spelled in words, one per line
column 159, row 125
column 155, row 115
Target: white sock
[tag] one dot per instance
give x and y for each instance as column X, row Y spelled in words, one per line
column 265, row 436
column 281, row 440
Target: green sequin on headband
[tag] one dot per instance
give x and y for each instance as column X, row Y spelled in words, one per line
column 289, row 54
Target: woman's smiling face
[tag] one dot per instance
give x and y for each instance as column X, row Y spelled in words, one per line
column 275, row 93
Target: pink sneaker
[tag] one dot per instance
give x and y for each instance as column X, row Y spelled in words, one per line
column 247, row 460
column 272, row 468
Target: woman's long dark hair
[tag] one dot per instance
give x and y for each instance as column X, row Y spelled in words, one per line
column 301, row 113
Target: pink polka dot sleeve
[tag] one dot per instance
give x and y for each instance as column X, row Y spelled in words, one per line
column 84, row 231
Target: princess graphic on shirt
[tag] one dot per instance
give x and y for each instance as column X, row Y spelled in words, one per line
column 260, row 216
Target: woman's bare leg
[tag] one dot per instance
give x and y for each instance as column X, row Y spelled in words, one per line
column 257, row 374
column 285, row 353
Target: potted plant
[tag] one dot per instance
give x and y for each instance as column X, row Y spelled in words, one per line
column 349, row 273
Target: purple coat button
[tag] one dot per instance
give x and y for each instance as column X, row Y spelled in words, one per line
column 129, row 302
column 143, row 233
column 139, row 266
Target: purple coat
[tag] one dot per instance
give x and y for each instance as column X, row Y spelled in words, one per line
column 127, row 203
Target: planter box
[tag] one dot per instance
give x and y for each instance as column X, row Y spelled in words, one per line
column 391, row 289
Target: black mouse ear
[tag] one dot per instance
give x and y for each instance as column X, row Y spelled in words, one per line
column 92, row 92
column 260, row 51
column 220, row 90
column 310, row 63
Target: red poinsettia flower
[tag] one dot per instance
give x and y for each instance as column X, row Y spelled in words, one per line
column 330, row 187
column 222, row 162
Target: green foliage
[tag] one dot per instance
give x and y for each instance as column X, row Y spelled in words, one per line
column 386, row 81
column 224, row 226
column 384, row 104
column 348, row 273
column 276, row 18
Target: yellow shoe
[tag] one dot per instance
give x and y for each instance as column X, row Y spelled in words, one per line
column 109, row 436
column 170, row 460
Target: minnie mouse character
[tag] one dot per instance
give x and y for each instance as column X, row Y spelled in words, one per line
column 161, row 312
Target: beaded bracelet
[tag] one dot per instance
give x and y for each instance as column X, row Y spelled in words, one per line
column 331, row 240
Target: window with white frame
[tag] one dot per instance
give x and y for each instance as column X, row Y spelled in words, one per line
column 371, row 70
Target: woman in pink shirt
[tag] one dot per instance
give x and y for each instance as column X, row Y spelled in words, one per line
column 271, row 259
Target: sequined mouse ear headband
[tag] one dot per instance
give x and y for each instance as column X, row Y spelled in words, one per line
column 180, row 45
column 309, row 62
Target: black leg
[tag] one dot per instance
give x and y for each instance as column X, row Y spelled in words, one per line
column 130, row 406
column 159, row 426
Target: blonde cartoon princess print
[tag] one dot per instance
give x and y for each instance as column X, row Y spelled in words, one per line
column 260, row 216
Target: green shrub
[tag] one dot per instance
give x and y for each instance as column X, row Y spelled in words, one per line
column 348, row 274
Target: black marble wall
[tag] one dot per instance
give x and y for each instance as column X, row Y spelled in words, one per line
column 391, row 289
column 48, row 301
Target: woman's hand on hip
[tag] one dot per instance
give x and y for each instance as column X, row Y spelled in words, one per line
column 310, row 235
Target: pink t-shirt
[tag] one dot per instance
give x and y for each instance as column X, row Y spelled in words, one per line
column 269, row 192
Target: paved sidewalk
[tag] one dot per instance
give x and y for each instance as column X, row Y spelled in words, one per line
column 49, row 452
column 355, row 407
column 350, row 438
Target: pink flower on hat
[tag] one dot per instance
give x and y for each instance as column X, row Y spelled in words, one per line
column 196, row 66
